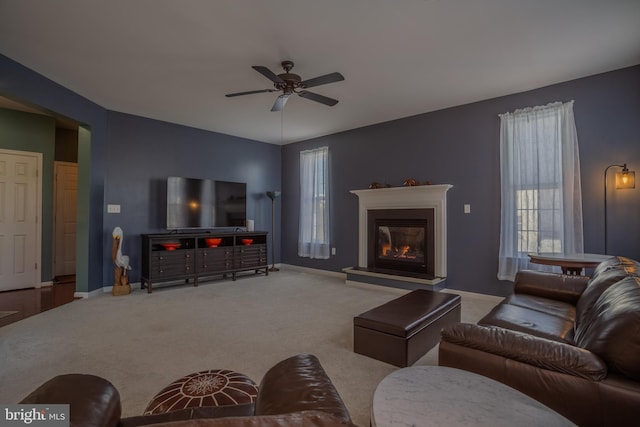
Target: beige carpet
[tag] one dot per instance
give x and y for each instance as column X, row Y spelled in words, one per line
column 142, row 342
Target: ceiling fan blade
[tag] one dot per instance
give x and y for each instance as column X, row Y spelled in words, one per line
column 323, row 80
column 229, row 95
column 280, row 101
column 268, row 74
column 318, row 98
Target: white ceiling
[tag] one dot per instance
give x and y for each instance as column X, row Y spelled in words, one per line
column 175, row 60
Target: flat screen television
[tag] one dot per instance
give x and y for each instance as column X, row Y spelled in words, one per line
column 194, row 203
column 231, row 204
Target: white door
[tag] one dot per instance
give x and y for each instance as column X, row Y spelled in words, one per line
column 19, row 203
column 65, row 201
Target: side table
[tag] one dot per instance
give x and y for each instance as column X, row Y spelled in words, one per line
column 571, row 264
column 442, row 396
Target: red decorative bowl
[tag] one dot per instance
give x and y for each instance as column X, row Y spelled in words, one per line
column 171, row 246
column 247, row 241
column 213, row 242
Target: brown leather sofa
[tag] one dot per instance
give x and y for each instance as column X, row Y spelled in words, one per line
column 296, row 391
column 570, row 342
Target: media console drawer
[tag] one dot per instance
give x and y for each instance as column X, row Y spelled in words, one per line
column 171, row 263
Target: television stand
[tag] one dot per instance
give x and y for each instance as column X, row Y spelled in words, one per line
column 171, row 257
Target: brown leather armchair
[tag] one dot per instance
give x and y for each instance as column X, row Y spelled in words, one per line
column 296, row 391
column 572, row 343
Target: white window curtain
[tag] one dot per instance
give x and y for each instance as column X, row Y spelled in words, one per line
column 540, row 186
column 313, row 234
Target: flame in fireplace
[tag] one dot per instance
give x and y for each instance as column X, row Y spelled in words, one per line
column 386, row 249
column 402, row 252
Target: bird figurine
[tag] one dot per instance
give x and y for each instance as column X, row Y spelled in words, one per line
column 121, row 283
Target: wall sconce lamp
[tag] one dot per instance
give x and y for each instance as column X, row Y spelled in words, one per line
column 625, row 179
column 273, row 195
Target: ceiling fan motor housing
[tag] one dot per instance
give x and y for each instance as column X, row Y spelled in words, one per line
column 291, row 81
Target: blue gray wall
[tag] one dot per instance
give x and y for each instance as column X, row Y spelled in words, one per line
column 460, row 146
column 143, row 153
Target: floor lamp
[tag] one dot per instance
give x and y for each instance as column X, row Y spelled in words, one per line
column 625, row 179
column 273, row 195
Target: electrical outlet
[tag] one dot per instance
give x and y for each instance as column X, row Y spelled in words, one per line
column 333, row 251
column 113, row 208
column 467, row 209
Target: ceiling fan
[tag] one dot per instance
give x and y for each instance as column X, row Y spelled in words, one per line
column 290, row 83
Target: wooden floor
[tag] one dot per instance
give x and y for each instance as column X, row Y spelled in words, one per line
column 29, row 302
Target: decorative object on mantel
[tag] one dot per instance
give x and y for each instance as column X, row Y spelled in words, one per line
column 273, row 195
column 375, row 184
column 121, row 280
column 410, row 182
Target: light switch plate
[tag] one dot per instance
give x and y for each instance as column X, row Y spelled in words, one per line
column 467, row 209
column 113, row 208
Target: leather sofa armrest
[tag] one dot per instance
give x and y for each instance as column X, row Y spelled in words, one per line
column 196, row 413
column 93, row 401
column 525, row 348
column 555, row 286
column 299, row 383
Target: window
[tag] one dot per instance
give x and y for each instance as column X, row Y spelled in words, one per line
column 541, row 209
column 313, row 233
column 538, row 214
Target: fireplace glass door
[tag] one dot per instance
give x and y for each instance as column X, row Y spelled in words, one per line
column 401, row 241
column 400, row 245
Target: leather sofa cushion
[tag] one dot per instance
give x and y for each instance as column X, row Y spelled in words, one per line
column 529, row 321
column 597, row 285
column 544, row 305
column 298, row 419
column 96, row 402
column 612, row 328
column 558, row 287
column 243, row 410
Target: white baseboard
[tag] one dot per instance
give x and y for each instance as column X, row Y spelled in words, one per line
column 313, row 270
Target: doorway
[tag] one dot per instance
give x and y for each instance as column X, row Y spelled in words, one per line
column 20, row 233
column 65, row 197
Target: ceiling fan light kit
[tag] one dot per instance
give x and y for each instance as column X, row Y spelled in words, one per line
column 290, row 83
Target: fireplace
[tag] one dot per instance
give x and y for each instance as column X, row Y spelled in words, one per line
column 401, row 241
column 392, row 219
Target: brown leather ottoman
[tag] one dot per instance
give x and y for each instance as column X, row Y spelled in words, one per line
column 215, row 387
column 406, row 328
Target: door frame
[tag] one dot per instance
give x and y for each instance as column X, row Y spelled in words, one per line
column 38, row 243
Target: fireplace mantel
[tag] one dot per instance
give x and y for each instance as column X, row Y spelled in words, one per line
column 414, row 197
